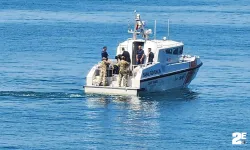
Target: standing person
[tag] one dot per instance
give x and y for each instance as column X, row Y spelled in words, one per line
column 126, row 55
column 104, row 52
column 150, row 56
column 123, row 73
column 140, row 55
column 103, row 71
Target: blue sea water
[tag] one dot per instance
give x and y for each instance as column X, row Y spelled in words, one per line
column 47, row 47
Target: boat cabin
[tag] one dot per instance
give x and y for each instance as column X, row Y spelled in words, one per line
column 165, row 51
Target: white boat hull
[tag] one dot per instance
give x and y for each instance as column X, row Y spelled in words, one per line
column 168, row 81
column 160, row 83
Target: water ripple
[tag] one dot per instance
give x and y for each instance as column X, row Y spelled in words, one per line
column 31, row 94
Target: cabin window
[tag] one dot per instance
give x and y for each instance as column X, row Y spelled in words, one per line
column 181, row 50
column 175, row 51
column 168, row 51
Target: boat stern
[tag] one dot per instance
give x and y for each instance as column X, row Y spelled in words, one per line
column 112, row 90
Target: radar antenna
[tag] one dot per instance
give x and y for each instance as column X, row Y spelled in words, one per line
column 139, row 28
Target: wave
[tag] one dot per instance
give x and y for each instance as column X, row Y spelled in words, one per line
column 32, row 94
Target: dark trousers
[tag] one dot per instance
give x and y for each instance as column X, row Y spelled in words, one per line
column 138, row 62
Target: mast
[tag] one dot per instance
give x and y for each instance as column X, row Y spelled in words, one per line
column 155, row 31
column 168, row 28
column 135, row 26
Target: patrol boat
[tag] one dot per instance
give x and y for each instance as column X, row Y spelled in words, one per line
column 170, row 68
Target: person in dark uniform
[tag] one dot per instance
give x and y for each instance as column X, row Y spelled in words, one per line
column 150, row 56
column 104, row 52
column 115, row 67
column 140, row 55
column 126, row 55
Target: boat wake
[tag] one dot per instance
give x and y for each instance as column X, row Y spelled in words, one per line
column 32, row 94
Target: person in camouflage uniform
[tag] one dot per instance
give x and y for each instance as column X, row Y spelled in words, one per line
column 123, row 72
column 103, row 71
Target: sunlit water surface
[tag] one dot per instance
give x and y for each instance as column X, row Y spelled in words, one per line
column 47, row 48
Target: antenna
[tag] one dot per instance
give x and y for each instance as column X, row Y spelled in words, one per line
column 168, row 28
column 129, row 27
column 155, row 31
column 134, row 32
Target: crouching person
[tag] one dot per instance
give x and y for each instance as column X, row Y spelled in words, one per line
column 123, row 72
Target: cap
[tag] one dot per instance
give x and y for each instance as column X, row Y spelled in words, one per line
column 104, row 47
column 123, row 48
